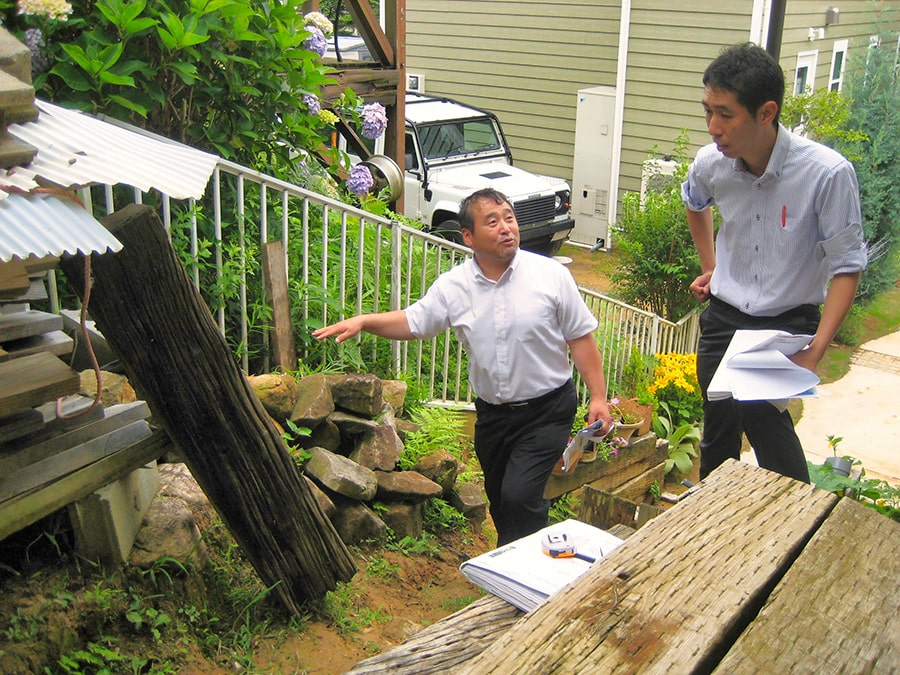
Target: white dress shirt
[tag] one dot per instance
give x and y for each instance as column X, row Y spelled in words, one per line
column 514, row 330
column 784, row 234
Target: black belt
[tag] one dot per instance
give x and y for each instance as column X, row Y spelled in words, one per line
column 804, row 311
column 520, row 405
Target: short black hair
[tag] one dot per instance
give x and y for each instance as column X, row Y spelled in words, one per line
column 466, row 220
column 751, row 73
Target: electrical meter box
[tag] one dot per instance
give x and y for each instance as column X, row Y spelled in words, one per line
column 592, row 177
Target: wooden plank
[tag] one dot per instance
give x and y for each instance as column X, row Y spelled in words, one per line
column 644, row 452
column 17, row 456
column 24, row 510
column 13, row 278
column 55, row 342
column 674, row 596
column 47, row 470
column 35, row 291
column 837, row 609
column 604, row 509
column 19, row 424
column 32, row 380
column 637, row 488
column 275, row 276
column 28, row 323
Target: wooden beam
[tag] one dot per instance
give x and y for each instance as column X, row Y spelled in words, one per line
column 32, row 380
column 275, row 277
column 367, row 24
column 370, row 84
column 184, row 369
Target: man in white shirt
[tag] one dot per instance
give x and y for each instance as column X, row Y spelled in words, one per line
column 518, row 315
column 790, row 225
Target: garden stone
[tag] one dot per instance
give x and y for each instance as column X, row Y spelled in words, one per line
column 341, row 475
column 277, row 392
column 356, row 523
column 394, row 393
column 379, row 449
column 115, row 388
column 314, row 401
column 441, row 467
column 405, row 428
column 359, row 393
column 406, row 486
column 323, row 499
column 168, row 531
column 405, row 519
column 351, row 425
column 176, row 480
column 325, row 435
column 469, row 500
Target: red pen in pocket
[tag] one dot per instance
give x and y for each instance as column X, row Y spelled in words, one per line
column 784, row 215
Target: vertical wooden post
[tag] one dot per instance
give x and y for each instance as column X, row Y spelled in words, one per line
column 176, row 359
column 275, row 279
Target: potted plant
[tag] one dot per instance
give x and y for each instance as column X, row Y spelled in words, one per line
column 626, row 418
column 634, row 390
column 840, row 465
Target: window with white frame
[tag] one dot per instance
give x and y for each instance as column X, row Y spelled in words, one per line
column 838, row 61
column 805, row 77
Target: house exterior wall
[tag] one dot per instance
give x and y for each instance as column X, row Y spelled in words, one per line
column 525, row 61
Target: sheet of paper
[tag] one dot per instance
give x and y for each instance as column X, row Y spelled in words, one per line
column 756, row 367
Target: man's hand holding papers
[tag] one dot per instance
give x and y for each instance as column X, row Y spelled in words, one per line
column 756, row 367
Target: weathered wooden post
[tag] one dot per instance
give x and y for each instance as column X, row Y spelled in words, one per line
column 174, row 355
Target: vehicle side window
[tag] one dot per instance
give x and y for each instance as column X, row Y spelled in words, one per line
column 412, row 162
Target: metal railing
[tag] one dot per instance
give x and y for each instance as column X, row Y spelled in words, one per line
column 341, row 261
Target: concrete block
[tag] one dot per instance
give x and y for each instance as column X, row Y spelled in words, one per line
column 106, row 522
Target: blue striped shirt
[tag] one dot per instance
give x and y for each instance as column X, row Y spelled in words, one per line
column 783, row 234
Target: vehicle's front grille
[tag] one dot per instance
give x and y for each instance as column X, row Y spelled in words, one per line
column 537, row 210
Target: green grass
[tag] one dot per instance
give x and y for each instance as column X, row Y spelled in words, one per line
column 879, row 317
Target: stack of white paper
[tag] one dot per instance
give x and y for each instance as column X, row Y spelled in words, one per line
column 756, row 367
column 523, row 575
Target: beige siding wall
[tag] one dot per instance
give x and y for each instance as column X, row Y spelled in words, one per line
column 668, row 51
column 525, row 61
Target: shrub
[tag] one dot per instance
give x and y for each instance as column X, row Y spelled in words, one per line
column 658, row 260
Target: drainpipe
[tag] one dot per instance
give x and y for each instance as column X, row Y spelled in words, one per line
column 619, row 122
column 776, row 28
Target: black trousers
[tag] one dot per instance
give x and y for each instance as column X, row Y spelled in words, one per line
column 770, row 432
column 517, row 445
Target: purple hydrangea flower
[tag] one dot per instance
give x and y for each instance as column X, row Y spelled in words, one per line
column 374, row 120
column 360, row 180
column 316, row 41
column 312, row 104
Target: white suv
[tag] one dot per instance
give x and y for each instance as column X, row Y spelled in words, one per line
column 453, row 149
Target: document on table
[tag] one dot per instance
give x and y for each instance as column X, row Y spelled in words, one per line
column 523, row 575
column 756, row 367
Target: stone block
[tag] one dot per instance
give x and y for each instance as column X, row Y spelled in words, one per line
column 107, row 521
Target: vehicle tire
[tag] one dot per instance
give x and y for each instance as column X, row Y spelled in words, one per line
column 449, row 230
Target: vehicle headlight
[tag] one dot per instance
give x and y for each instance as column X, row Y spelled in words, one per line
column 562, row 202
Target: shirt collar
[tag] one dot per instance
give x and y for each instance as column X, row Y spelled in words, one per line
column 479, row 275
column 779, row 155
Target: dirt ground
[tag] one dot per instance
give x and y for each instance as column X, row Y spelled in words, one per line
column 52, row 604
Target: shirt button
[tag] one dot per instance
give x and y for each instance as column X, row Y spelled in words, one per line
column 757, row 217
column 756, row 248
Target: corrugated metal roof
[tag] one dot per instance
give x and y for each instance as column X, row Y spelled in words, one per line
column 44, row 224
column 75, row 150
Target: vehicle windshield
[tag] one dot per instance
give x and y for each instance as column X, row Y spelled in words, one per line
column 448, row 139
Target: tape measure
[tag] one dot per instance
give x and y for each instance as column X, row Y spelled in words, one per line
column 560, row 545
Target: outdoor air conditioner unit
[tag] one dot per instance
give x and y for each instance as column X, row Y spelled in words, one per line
column 653, row 174
column 415, row 82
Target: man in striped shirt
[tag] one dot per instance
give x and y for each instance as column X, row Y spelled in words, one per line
column 788, row 254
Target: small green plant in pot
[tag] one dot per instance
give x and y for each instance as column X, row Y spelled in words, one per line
column 840, row 465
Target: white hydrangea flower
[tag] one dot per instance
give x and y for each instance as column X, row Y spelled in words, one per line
column 52, row 9
column 320, row 21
